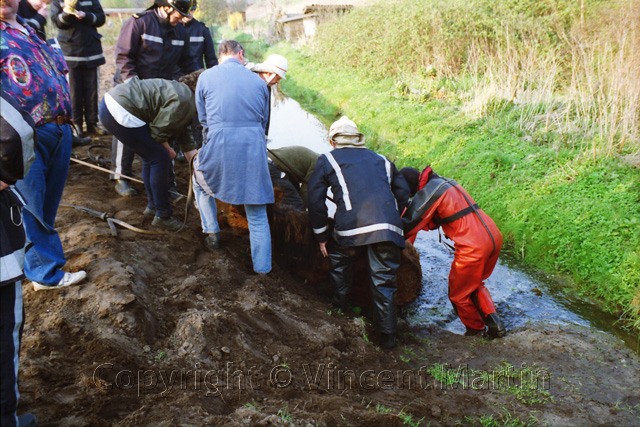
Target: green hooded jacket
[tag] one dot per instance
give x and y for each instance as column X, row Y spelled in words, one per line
column 167, row 106
column 298, row 163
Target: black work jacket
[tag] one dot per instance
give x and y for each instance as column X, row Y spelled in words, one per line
column 32, row 18
column 149, row 49
column 202, row 47
column 79, row 38
column 369, row 193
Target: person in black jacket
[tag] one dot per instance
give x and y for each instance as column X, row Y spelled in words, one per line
column 16, row 156
column 203, row 50
column 150, row 44
column 369, row 193
column 80, row 43
column 34, row 13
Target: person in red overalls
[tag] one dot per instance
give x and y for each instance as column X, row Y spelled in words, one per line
column 441, row 202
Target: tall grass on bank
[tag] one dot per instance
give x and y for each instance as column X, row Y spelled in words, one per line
column 508, row 130
column 570, row 67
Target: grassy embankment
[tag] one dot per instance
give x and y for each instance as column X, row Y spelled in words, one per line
column 533, row 106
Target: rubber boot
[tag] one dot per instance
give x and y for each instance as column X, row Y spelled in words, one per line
column 212, row 242
column 473, row 332
column 339, row 302
column 495, row 328
column 388, row 340
column 123, row 188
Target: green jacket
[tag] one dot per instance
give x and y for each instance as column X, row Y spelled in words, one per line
column 298, row 163
column 167, row 106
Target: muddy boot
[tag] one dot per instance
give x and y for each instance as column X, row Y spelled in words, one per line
column 124, row 189
column 94, row 129
column 339, row 302
column 212, row 242
column 474, row 332
column 495, row 328
column 78, row 141
column 168, row 223
column 388, row 341
column 149, row 212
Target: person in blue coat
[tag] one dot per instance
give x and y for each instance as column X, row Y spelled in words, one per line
column 370, row 194
column 233, row 107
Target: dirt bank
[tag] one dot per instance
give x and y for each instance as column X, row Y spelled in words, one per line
column 165, row 333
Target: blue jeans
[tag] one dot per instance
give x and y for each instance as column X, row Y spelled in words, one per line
column 42, row 189
column 259, row 234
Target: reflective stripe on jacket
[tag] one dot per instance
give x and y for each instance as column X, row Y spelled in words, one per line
column 150, row 49
column 369, row 193
column 79, row 39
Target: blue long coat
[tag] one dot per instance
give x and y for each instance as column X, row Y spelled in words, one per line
column 233, row 107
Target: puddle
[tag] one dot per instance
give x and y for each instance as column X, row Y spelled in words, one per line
column 521, row 298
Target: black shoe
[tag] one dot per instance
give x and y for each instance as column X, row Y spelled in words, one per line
column 212, row 241
column 124, row 189
column 175, row 195
column 388, row 340
column 148, row 212
column 339, row 302
column 78, row 141
column 27, row 420
column 168, row 223
column 96, row 130
column 474, row 332
column 495, row 328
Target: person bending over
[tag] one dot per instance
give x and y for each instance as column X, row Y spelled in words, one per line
column 442, row 202
column 143, row 115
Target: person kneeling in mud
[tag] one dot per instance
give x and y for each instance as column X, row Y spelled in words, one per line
column 144, row 115
column 441, row 202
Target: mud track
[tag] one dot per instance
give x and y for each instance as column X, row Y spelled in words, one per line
column 165, row 333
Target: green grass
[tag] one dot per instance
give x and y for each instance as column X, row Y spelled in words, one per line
column 560, row 211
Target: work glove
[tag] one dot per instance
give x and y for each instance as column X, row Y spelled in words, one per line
column 70, row 7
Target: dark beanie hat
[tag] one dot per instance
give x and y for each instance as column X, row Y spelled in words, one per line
column 412, row 176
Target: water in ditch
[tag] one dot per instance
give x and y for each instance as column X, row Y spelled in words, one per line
column 521, row 297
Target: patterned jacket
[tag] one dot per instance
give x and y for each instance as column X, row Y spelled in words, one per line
column 33, row 74
column 79, row 38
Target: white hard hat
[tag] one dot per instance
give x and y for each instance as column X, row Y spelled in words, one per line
column 276, row 64
column 343, row 125
column 344, row 133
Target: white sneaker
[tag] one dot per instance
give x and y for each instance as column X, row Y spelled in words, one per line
column 67, row 280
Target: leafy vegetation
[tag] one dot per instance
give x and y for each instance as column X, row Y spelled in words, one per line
column 493, row 94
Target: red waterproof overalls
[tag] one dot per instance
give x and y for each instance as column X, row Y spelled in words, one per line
column 475, row 256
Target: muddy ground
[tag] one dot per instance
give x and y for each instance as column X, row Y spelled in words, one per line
column 165, row 333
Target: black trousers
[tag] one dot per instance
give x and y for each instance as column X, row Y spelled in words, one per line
column 122, row 162
column 83, row 83
column 11, row 322
column 384, row 261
